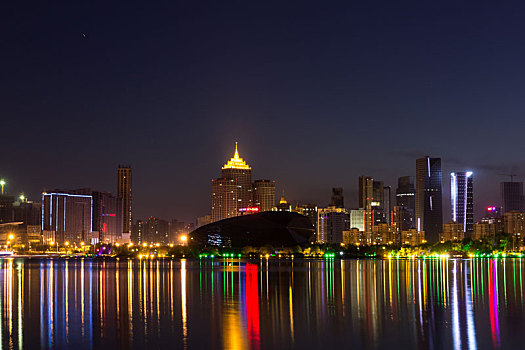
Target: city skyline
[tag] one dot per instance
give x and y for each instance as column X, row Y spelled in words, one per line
column 351, row 194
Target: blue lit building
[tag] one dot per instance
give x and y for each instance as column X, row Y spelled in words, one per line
column 462, row 200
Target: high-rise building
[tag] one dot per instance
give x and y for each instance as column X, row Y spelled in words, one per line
column 264, row 194
column 372, row 199
column 429, row 210
column 406, row 192
column 124, row 192
column 107, row 216
column 338, row 200
column 233, row 190
column 387, row 208
column 224, row 199
column 331, row 222
column 66, row 217
column 237, row 169
column 462, row 200
column 512, row 196
column 366, row 191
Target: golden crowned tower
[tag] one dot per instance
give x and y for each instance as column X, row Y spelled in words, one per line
column 233, row 190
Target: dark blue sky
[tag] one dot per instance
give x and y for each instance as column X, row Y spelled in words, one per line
column 315, row 93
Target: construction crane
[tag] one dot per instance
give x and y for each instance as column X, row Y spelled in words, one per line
column 511, row 176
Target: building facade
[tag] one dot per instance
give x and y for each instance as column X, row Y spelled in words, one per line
column 406, row 192
column 337, row 200
column 452, row 231
column 512, row 196
column 331, row 222
column 66, row 217
column 429, row 209
column 107, row 217
column 462, row 200
column 413, row 237
column 124, row 192
column 264, row 194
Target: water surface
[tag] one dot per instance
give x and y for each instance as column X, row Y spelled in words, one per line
column 261, row 304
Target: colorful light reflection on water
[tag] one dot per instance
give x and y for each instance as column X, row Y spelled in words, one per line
column 234, row 304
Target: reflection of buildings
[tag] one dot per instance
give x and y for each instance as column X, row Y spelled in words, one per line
column 435, row 303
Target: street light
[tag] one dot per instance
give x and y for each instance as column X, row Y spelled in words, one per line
column 22, row 197
column 2, row 183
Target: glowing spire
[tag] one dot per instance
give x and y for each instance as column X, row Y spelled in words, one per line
column 236, row 162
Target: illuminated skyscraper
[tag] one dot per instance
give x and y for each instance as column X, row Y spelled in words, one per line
column 462, row 200
column 233, row 190
column 124, row 192
column 429, row 210
column 264, row 194
column 238, row 170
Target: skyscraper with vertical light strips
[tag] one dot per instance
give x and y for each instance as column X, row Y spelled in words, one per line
column 429, row 209
column 462, row 200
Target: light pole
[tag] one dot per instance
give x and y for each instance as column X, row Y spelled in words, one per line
column 2, row 183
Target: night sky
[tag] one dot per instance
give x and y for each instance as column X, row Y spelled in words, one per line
column 316, row 94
